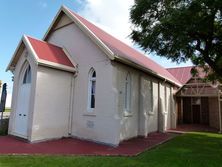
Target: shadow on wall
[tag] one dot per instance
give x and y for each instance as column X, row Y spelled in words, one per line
column 161, row 115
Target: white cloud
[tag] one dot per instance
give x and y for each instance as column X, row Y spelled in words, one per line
column 110, row 15
column 113, row 17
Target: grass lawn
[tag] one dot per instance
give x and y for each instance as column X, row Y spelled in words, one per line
column 193, row 149
column 7, row 109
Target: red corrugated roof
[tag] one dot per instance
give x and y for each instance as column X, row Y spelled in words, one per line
column 125, row 51
column 182, row 74
column 50, row 52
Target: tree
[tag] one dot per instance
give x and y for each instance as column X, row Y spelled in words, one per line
column 180, row 30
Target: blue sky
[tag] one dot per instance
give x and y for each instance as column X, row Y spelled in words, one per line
column 33, row 18
column 25, row 17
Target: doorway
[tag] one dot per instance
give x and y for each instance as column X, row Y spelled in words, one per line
column 196, row 113
column 23, row 100
column 195, row 110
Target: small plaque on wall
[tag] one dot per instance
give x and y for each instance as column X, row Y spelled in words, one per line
column 90, row 124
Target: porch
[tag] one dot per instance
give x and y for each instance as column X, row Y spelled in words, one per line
column 199, row 105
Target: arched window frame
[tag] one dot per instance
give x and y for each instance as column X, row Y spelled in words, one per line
column 27, row 77
column 91, row 90
column 127, row 98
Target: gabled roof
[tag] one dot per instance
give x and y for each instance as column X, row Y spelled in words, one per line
column 183, row 74
column 115, row 49
column 45, row 54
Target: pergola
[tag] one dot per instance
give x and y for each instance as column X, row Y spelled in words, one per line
column 196, row 88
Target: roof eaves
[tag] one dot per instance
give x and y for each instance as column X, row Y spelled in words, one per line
column 30, row 48
column 28, row 45
column 86, row 30
column 52, row 23
column 64, row 9
column 9, row 67
column 56, row 65
column 69, row 56
column 182, row 87
column 48, row 63
column 128, row 62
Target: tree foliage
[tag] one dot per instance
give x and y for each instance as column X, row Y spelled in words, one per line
column 180, row 30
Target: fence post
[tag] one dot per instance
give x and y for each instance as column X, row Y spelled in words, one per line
column 0, row 88
column 3, row 100
column 0, row 102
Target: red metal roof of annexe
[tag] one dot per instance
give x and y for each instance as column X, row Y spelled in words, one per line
column 123, row 50
column 183, row 74
column 50, row 52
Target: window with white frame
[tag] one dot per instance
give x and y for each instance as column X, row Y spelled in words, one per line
column 91, row 89
column 27, row 77
column 127, row 93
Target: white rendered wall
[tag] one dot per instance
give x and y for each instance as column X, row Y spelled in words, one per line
column 24, row 58
column 108, row 123
column 166, row 107
column 148, row 107
column 128, row 121
column 101, row 125
column 141, row 120
column 52, row 104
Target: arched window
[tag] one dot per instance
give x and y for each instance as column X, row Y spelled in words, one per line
column 27, row 77
column 92, row 89
column 127, row 93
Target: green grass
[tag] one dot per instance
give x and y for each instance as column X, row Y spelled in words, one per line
column 193, row 149
column 7, row 109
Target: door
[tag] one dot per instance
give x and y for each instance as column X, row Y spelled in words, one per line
column 22, row 108
column 204, row 111
column 196, row 114
column 187, row 110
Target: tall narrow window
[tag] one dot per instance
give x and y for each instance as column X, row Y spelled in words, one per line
column 165, row 97
column 92, row 89
column 150, row 95
column 127, row 93
column 27, row 77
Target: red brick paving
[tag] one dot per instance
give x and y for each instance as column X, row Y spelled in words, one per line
column 71, row 146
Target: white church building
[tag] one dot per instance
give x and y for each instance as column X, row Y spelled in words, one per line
column 80, row 81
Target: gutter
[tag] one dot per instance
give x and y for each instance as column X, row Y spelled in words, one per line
column 135, row 65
